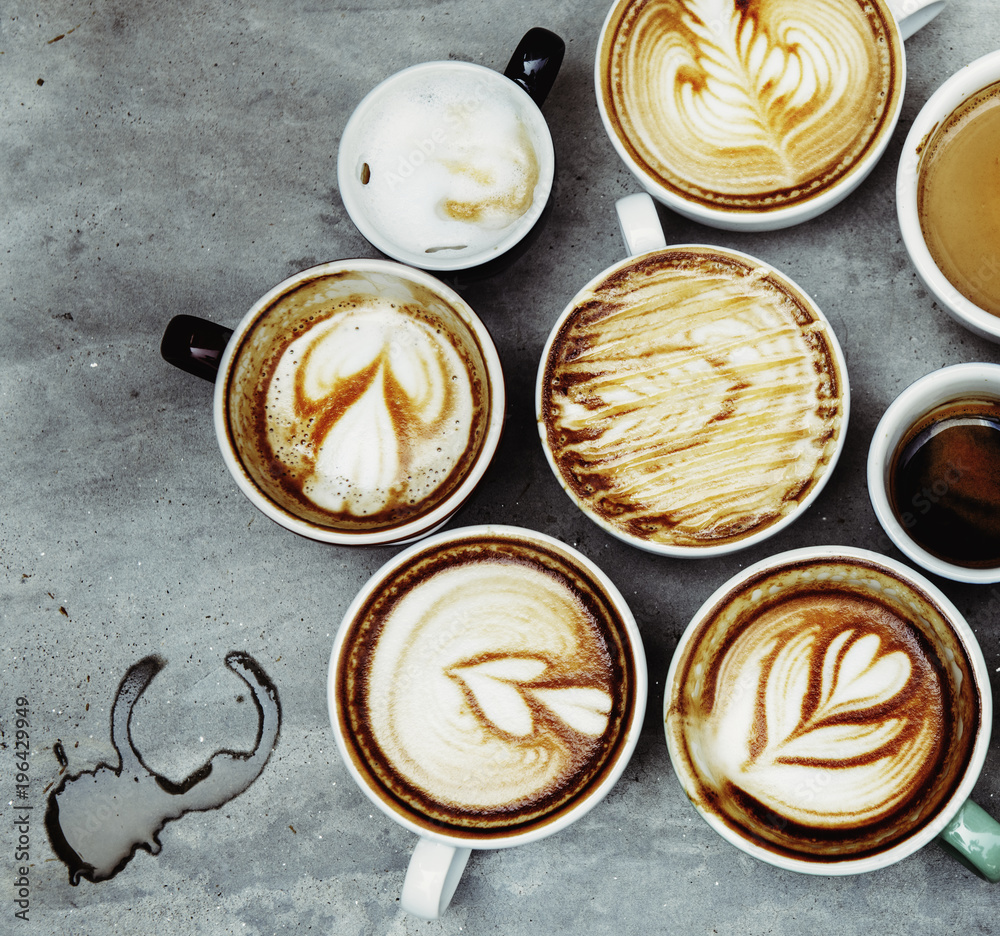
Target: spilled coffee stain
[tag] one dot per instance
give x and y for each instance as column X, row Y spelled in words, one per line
column 99, row 818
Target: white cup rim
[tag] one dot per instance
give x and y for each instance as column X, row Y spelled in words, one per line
column 732, row 220
column 920, row 397
column 633, row 731
column 962, row 85
column 980, row 748
column 411, row 529
column 718, row 549
column 441, row 262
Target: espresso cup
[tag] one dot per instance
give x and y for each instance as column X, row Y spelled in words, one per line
column 486, row 689
column 934, row 472
column 828, row 710
column 449, row 165
column 358, row 402
column 947, row 196
column 691, row 400
column 753, row 116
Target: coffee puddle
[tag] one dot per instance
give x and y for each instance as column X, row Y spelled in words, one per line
column 99, row 818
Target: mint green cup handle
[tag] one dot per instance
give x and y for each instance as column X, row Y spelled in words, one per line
column 975, row 835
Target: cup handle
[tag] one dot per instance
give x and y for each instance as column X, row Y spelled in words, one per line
column 536, row 62
column 431, row 878
column 640, row 224
column 912, row 15
column 975, row 835
column 194, row 345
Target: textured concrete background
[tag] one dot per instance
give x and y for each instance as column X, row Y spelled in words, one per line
column 180, row 157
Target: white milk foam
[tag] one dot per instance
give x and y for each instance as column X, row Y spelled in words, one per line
column 369, row 408
column 489, row 685
column 451, row 165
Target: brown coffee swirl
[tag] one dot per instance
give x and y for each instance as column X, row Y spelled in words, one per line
column 749, row 104
column 359, row 402
column 486, row 686
column 691, row 399
column 823, row 712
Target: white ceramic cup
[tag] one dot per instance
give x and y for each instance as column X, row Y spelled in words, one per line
column 963, row 84
column 958, row 821
column 908, row 17
column 212, row 351
column 387, row 171
column 440, row 855
column 957, row 382
column 643, row 234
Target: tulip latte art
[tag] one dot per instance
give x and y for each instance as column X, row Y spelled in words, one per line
column 365, row 408
column 821, row 713
column 486, row 687
column 691, row 399
column 750, row 104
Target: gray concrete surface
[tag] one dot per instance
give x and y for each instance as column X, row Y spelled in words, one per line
column 180, row 157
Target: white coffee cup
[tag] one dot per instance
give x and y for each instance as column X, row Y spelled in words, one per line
column 970, row 381
column 643, row 236
column 507, row 615
column 903, row 17
column 237, row 361
column 448, row 166
column 949, row 96
column 838, row 837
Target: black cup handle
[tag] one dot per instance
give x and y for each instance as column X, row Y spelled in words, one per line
column 194, row 345
column 536, row 62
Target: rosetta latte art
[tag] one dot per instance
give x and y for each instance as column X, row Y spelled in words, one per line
column 820, row 725
column 753, row 104
column 369, row 411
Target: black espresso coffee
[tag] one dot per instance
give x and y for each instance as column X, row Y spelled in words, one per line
column 748, row 105
column 822, row 710
column 358, row 400
column 486, row 686
column 944, row 482
column 692, row 398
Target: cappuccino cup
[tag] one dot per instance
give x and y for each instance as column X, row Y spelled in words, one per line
column 948, row 196
column 449, row 165
column 358, row 402
column 828, row 710
column 691, row 400
column 934, row 472
column 487, row 688
column 753, row 116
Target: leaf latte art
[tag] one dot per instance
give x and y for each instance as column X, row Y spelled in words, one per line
column 485, row 691
column 823, row 723
column 750, row 105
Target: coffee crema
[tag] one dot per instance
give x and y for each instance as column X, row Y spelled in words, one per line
column 958, row 198
column 485, row 687
column 822, row 711
column 944, row 482
column 692, row 398
column 358, row 401
column 750, row 105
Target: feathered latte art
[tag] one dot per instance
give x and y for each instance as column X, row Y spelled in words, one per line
column 822, row 710
column 750, row 103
